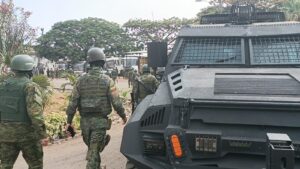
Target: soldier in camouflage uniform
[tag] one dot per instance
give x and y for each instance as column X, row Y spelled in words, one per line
column 144, row 85
column 114, row 74
column 135, row 75
column 93, row 95
column 22, row 125
column 130, row 74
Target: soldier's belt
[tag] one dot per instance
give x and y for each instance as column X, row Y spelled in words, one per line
column 93, row 114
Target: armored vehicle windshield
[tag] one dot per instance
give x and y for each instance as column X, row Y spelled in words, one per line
column 251, row 45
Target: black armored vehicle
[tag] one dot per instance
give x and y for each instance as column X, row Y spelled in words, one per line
column 229, row 98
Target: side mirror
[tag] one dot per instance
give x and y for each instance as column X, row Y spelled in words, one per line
column 157, row 54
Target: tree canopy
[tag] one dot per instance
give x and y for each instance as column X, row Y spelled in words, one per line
column 290, row 7
column 16, row 35
column 143, row 31
column 74, row 38
column 262, row 4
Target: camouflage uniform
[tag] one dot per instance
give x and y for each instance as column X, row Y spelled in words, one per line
column 23, row 136
column 93, row 95
column 114, row 75
column 130, row 77
column 140, row 92
column 135, row 75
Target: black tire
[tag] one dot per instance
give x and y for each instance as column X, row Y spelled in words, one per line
column 130, row 165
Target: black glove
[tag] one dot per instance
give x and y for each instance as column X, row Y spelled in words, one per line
column 71, row 130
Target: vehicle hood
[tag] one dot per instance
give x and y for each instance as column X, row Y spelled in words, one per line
column 236, row 84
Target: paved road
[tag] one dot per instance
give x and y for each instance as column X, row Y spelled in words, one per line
column 71, row 154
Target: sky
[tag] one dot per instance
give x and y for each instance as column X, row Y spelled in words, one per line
column 47, row 12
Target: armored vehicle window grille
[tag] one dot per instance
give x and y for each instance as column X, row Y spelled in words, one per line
column 210, row 51
column 276, row 50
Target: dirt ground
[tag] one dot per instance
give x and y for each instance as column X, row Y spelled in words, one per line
column 71, row 154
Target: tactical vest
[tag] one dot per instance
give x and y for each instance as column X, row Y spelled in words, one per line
column 13, row 101
column 93, row 92
column 148, row 81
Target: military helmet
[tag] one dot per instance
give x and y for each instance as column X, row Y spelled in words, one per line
column 95, row 54
column 22, row 63
column 146, row 68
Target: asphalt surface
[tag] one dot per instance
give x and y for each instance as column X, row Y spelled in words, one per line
column 71, row 154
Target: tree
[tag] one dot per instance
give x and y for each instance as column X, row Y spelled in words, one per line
column 262, row 4
column 292, row 9
column 74, row 38
column 143, row 31
column 212, row 10
column 16, row 35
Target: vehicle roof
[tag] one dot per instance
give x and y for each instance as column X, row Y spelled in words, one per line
column 250, row 30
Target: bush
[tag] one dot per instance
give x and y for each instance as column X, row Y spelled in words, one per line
column 55, row 123
column 64, row 73
column 72, row 81
column 42, row 81
column 76, row 122
column 46, row 91
column 124, row 96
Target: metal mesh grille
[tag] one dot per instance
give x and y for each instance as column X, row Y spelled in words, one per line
column 210, row 51
column 276, row 50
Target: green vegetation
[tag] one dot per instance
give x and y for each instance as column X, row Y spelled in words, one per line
column 16, row 35
column 64, row 73
column 72, row 81
column 55, row 123
column 42, row 81
column 44, row 84
column 124, row 96
column 74, row 38
column 290, row 7
column 143, row 31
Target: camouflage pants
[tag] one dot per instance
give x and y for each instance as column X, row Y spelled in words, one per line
column 129, row 83
column 32, row 153
column 93, row 132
